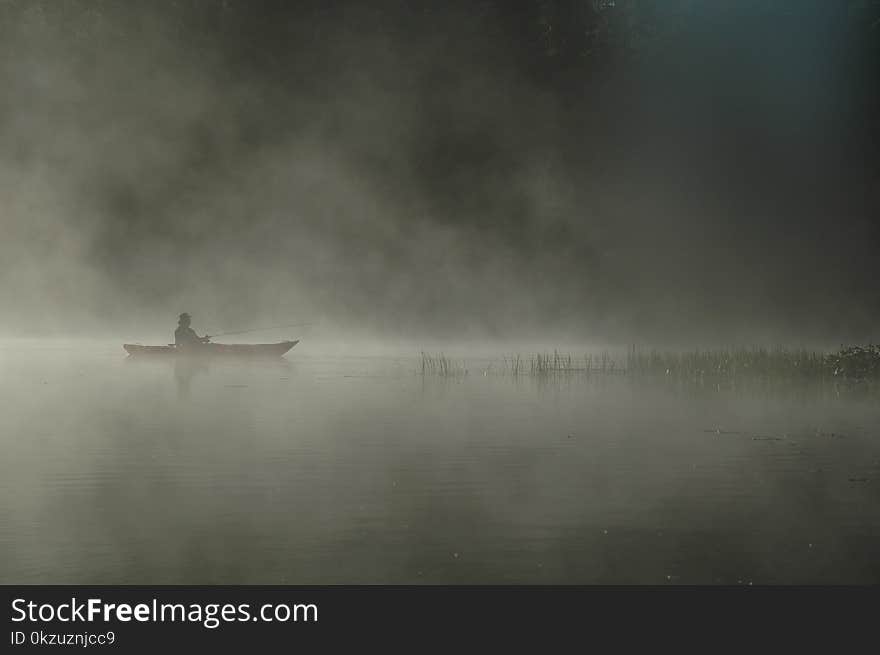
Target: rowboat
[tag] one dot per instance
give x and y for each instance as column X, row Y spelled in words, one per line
column 212, row 349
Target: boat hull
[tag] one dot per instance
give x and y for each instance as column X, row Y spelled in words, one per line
column 213, row 349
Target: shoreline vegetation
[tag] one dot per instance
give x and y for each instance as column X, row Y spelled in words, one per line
column 851, row 364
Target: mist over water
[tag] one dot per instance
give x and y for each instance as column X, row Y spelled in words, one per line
column 329, row 468
column 439, row 171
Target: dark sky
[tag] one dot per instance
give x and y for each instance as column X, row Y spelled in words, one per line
column 652, row 171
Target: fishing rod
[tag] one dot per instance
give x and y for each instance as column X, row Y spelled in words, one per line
column 274, row 327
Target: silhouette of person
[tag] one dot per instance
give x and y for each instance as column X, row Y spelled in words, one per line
column 185, row 336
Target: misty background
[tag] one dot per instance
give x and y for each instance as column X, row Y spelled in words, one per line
column 630, row 170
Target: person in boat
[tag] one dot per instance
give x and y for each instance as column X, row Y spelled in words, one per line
column 185, row 336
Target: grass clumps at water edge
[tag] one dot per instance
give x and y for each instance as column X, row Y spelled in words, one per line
column 728, row 365
column 850, row 364
column 853, row 364
column 441, row 365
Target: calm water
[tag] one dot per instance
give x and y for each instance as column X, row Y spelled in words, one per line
column 323, row 469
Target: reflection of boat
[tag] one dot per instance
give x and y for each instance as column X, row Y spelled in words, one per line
column 212, row 349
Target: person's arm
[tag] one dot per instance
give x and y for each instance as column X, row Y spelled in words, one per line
column 197, row 338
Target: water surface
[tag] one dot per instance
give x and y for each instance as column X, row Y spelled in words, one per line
column 323, row 468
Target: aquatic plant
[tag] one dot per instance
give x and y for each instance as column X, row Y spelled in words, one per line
column 442, row 365
column 543, row 364
column 852, row 364
column 855, row 363
column 728, row 365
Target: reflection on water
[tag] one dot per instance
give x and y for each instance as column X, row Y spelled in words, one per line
column 185, row 369
column 356, row 470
